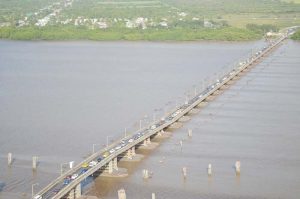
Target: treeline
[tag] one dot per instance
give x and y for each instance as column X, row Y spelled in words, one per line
column 176, row 34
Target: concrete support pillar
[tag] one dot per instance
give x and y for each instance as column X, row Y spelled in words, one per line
column 153, row 195
column 9, row 159
column 237, row 167
column 110, row 167
column 209, row 170
column 145, row 174
column 78, row 191
column 115, row 163
column 145, row 143
column 71, row 194
column 129, row 154
column 121, row 194
column 190, row 133
column 148, row 140
column 34, row 162
column 184, row 172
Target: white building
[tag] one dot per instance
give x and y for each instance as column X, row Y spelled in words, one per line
column 163, row 24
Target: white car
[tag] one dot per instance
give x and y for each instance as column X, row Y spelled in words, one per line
column 92, row 163
column 74, row 176
column 118, row 147
column 131, row 140
column 153, row 127
column 112, row 151
column 37, row 197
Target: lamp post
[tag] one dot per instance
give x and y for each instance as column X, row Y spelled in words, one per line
column 140, row 124
column 94, row 147
column 32, row 188
column 107, row 140
column 61, row 167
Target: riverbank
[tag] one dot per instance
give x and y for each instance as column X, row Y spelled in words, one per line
column 176, row 34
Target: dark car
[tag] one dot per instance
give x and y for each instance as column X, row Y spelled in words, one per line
column 82, row 170
column 67, row 181
column 99, row 159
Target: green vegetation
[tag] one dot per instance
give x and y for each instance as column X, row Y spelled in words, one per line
column 177, row 34
column 296, row 36
column 145, row 19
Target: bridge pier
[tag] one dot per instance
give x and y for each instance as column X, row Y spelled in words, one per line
column 163, row 134
column 110, row 167
column 75, row 193
column 131, row 156
column 147, row 144
column 71, row 194
column 78, row 191
column 115, row 164
column 130, row 153
column 175, row 125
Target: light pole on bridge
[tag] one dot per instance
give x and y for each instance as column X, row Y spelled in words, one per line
column 94, row 147
column 61, row 167
column 107, row 140
column 32, row 189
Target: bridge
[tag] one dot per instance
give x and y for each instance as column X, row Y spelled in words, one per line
column 105, row 161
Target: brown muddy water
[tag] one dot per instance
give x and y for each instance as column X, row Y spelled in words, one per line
column 59, row 98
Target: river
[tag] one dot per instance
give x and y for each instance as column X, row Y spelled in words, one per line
column 59, row 98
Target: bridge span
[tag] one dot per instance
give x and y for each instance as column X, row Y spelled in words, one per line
column 68, row 185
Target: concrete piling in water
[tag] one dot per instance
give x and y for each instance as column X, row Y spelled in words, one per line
column 209, row 170
column 121, row 194
column 34, row 162
column 184, row 172
column 9, row 159
column 190, row 132
column 153, row 196
column 237, row 167
column 145, row 174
